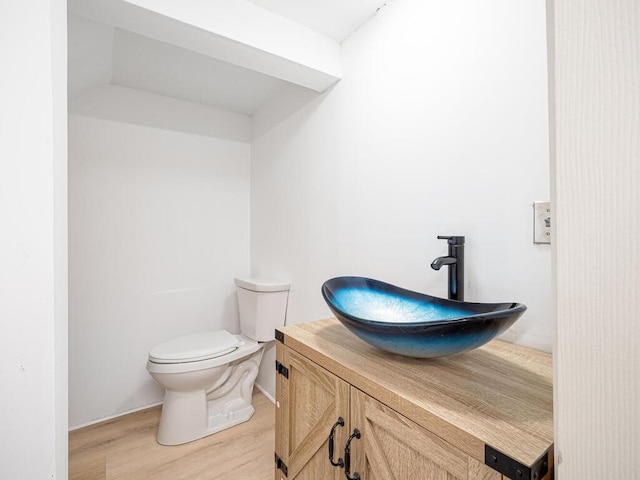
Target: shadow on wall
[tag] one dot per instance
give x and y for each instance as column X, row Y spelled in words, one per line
column 127, row 105
column 281, row 108
column 229, row 314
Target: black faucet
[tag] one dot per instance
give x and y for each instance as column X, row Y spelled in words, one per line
column 455, row 261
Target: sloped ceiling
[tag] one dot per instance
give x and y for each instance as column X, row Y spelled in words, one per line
column 89, row 56
column 182, row 53
column 145, row 64
column 336, row 19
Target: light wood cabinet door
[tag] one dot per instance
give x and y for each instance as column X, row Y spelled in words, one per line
column 391, row 447
column 309, row 402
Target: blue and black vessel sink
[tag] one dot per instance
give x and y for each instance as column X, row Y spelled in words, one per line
column 414, row 324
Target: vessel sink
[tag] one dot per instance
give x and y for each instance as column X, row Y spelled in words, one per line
column 414, row 324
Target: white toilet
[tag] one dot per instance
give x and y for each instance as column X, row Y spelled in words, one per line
column 208, row 377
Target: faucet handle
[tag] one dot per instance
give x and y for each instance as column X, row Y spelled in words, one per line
column 452, row 239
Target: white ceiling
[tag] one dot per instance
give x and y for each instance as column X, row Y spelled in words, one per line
column 100, row 54
column 335, row 19
column 145, row 64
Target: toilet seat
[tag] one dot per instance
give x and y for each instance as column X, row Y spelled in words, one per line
column 244, row 348
column 195, row 347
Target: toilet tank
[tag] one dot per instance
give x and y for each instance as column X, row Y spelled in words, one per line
column 262, row 306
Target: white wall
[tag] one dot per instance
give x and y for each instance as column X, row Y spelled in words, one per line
column 33, row 259
column 597, row 173
column 438, row 127
column 158, row 228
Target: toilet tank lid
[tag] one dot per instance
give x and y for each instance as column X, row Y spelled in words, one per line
column 261, row 284
column 195, row 347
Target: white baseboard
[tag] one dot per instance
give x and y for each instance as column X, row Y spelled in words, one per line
column 266, row 394
column 116, row 415
column 144, row 407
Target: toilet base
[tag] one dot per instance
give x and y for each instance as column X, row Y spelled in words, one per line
column 222, row 422
column 191, row 415
column 182, row 417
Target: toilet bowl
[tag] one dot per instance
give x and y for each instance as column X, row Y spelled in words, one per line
column 208, row 377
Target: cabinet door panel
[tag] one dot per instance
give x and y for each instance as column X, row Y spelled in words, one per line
column 479, row 471
column 310, row 400
column 394, row 448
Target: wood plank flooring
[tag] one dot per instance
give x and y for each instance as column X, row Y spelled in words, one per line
column 126, row 448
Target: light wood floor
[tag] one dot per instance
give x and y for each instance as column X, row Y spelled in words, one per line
column 126, row 448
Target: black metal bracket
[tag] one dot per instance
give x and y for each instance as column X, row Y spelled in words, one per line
column 512, row 468
column 280, row 464
column 282, row 370
column 279, row 336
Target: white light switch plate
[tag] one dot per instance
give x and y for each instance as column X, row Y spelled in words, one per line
column 541, row 222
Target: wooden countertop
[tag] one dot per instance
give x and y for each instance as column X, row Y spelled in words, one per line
column 500, row 394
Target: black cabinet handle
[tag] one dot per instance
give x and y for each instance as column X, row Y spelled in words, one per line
column 340, row 462
column 347, row 456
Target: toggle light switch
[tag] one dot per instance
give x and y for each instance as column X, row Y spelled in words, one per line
column 542, row 222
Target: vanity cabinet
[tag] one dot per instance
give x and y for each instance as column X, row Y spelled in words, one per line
column 415, row 418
